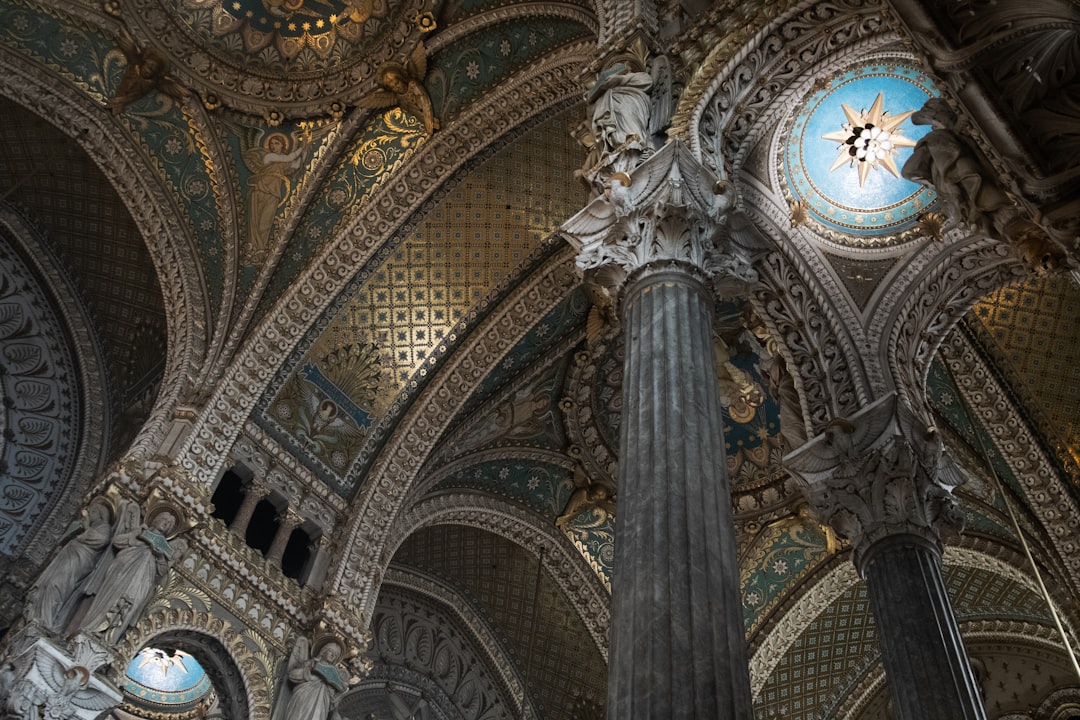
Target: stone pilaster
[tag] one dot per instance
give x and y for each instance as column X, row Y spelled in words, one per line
column 677, row 643
column 882, row 479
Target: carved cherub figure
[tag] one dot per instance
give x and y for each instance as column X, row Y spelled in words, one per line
column 147, row 71
column 402, row 85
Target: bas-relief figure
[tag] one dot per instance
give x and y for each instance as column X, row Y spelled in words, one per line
column 318, row 682
column 51, row 598
column 121, row 587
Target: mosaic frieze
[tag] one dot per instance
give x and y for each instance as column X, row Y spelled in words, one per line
column 779, row 557
column 461, row 73
column 542, row 487
column 270, row 164
column 593, row 534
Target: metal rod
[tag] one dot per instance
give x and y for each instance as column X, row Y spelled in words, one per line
column 976, row 426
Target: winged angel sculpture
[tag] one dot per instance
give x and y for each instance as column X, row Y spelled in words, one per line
column 401, row 85
column 147, row 71
column 68, row 693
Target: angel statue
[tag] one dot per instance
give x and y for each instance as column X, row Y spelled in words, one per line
column 53, row 594
column 318, row 682
column 121, row 588
column 69, row 694
column 147, row 71
column 402, row 85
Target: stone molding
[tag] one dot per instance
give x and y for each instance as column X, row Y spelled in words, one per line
column 511, row 684
column 570, row 571
column 1046, row 491
column 879, row 473
column 168, row 238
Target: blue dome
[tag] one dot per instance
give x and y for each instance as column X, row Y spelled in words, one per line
column 169, row 678
column 847, row 144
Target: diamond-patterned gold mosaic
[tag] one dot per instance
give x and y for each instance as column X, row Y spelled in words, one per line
column 471, row 242
column 1032, row 332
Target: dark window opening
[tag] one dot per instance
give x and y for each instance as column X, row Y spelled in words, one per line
column 263, row 526
column 297, row 553
column 228, row 497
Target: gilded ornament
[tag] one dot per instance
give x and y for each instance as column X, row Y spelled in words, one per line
column 402, row 85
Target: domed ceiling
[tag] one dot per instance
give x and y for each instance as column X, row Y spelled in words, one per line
column 846, row 146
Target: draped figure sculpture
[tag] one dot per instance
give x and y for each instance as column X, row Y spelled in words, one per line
column 318, row 682
column 943, row 160
column 52, row 596
column 121, row 588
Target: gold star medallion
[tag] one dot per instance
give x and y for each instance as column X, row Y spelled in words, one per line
column 870, row 139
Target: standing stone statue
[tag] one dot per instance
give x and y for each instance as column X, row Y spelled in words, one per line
column 318, row 682
column 51, row 598
column 143, row 558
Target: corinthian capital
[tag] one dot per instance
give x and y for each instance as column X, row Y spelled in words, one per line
column 880, row 472
column 669, row 209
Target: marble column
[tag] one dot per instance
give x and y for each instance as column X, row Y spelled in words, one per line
column 287, row 522
column 882, row 479
column 677, row 638
column 254, row 492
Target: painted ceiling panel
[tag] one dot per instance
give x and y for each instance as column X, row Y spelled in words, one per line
column 1031, row 332
column 411, row 308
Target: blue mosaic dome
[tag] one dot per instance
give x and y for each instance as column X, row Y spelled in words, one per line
column 165, row 680
column 846, row 146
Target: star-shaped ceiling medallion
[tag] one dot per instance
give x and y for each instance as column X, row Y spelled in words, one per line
column 870, row 138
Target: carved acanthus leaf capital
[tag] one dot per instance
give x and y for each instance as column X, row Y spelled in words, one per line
column 880, row 472
column 671, row 208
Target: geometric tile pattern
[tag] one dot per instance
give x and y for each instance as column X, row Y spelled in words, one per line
column 546, row 639
column 840, row 646
column 1031, row 331
column 98, row 244
column 476, row 237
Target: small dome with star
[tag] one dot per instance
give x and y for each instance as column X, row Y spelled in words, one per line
column 845, row 148
column 164, row 680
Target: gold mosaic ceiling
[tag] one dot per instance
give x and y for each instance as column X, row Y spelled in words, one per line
column 1032, row 333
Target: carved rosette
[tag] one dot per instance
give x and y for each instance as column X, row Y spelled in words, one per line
column 879, row 473
column 668, row 210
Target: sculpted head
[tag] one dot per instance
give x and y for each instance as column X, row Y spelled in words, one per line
column 330, row 652
column 164, row 522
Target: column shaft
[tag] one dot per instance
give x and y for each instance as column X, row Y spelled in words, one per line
column 929, row 674
column 287, row 524
column 252, row 496
column 678, row 647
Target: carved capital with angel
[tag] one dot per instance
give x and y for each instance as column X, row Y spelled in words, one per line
column 881, row 472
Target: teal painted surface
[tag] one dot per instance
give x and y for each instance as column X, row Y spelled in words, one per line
column 884, row 204
column 541, row 487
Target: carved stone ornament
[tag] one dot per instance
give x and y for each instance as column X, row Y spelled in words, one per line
column 880, row 472
column 43, row 683
column 669, row 208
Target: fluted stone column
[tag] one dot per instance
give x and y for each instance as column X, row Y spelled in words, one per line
column 882, row 479
column 677, row 636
